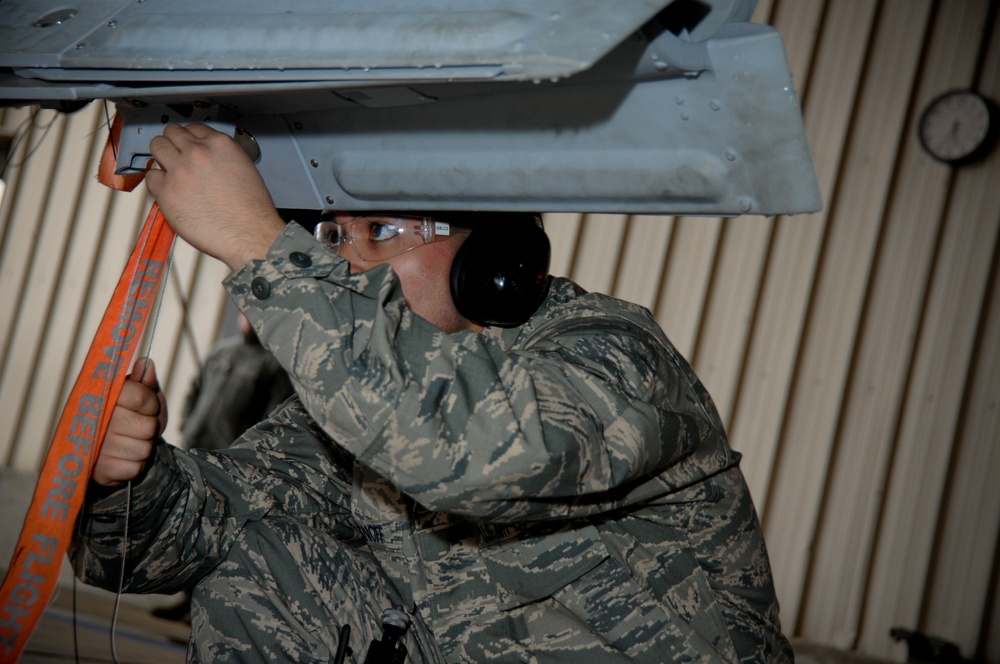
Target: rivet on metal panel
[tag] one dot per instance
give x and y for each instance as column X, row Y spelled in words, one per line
column 730, row 155
column 314, row 163
column 112, row 23
column 745, row 204
column 329, row 200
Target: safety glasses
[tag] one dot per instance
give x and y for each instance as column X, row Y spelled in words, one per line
column 379, row 237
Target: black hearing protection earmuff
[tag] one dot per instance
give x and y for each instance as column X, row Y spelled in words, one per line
column 500, row 274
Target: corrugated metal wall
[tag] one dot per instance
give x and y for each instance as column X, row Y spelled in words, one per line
column 855, row 353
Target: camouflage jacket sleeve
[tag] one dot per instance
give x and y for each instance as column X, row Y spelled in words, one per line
column 585, row 408
column 190, row 506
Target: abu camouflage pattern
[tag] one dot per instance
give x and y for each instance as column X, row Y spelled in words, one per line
column 561, row 491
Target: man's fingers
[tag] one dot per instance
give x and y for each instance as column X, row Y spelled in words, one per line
column 131, row 424
column 137, row 421
column 200, row 131
column 177, row 134
column 175, row 139
column 114, row 472
column 182, row 135
column 144, row 371
column 163, row 150
column 139, row 398
column 154, row 181
column 126, row 448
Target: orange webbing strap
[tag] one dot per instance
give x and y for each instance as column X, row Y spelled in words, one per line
column 106, row 173
column 59, row 494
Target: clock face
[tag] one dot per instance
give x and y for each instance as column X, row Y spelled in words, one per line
column 958, row 127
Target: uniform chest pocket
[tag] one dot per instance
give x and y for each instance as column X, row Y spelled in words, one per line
column 530, row 569
column 379, row 512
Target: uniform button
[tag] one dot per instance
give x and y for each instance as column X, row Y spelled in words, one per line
column 300, row 259
column 343, row 532
column 260, row 288
column 104, row 518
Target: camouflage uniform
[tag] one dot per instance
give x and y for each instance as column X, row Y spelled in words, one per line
column 562, row 491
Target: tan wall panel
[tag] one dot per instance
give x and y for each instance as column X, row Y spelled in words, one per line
column 28, row 275
column 686, row 279
column 597, row 251
column 32, row 378
column 932, row 408
column 729, row 316
column 959, row 590
column 867, row 438
column 990, row 636
column 784, row 299
column 836, row 304
column 867, row 429
column 563, row 230
column 960, row 587
column 640, row 271
column 20, row 243
column 930, row 412
column 174, row 320
column 800, row 23
column 14, row 124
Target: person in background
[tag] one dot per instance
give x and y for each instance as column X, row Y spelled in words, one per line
column 239, row 384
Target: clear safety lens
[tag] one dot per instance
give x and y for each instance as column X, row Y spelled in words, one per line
column 378, row 238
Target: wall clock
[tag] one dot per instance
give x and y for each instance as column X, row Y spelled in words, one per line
column 959, row 127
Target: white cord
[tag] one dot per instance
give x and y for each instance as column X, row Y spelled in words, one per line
column 121, row 573
column 128, row 494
